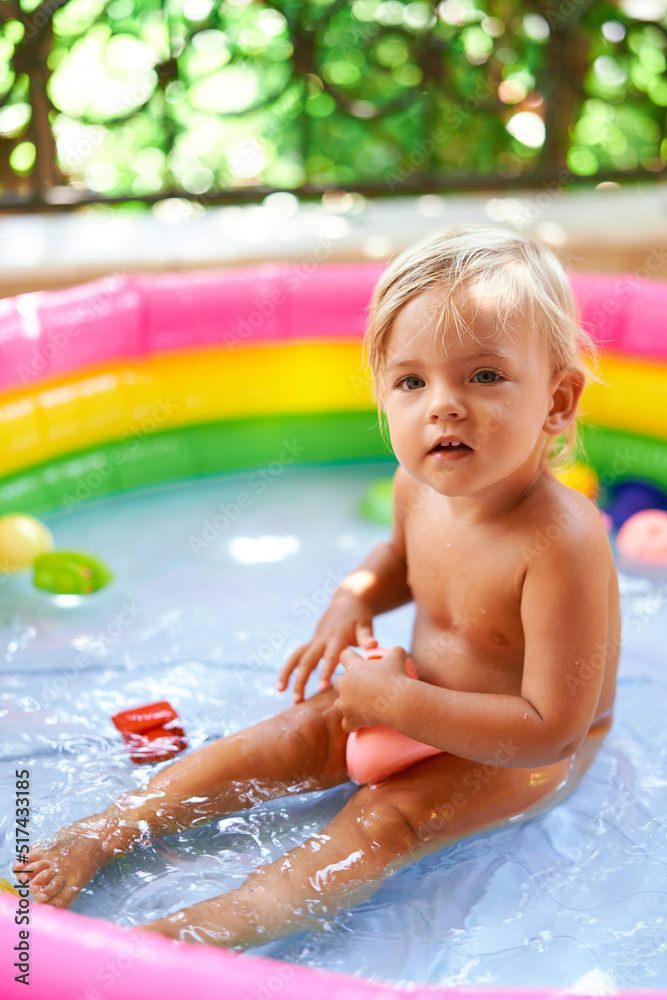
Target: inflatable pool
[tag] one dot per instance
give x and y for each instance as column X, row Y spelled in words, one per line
column 135, row 381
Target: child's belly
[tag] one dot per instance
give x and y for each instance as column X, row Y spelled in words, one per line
column 462, row 660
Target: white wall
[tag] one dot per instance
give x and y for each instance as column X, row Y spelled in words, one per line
column 607, row 228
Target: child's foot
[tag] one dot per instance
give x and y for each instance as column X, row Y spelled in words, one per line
column 57, row 871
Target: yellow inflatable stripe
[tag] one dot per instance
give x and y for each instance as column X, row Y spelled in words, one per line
column 633, row 396
column 127, row 399
column 121, row 400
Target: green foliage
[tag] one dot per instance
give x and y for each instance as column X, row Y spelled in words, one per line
column 150, row 96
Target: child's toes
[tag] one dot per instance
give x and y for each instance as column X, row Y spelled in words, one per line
column 30, row 860
column 28, row 876
column 42, row 876
column 61, row 893
column 47, row 891
column 20, row 866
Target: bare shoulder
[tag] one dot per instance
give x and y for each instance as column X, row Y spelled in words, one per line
column 564, row 524
column 569, row 612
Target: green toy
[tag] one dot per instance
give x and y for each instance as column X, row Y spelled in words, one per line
column 377, row 503
column 70, row 573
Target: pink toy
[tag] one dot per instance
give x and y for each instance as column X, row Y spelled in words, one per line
column 376, row 752
column 643, row 537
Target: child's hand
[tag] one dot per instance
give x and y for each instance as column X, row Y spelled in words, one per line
column 347, row 622
column 368, row 687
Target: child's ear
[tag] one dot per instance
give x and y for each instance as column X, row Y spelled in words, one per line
column 566, row 391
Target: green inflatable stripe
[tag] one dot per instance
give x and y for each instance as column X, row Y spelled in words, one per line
column 299, row 439
column 620, row 455
column 199, row 450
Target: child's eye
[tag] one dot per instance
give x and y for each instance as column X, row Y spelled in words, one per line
column 486, row 377
column 411, row 382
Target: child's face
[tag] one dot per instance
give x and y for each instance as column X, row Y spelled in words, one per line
column 487, row 391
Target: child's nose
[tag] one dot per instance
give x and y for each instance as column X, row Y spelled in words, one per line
column 445, row 404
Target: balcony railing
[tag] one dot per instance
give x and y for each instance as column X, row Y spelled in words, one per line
column 108, row 101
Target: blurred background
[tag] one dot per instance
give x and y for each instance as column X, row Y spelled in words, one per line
column 156, row 134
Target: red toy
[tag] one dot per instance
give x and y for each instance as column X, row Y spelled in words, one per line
column 151, row 732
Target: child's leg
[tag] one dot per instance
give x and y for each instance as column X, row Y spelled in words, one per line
column 301, row 749
column 381, row 828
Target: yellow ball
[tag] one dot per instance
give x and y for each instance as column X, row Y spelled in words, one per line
column 580, row 477
column 22, row 539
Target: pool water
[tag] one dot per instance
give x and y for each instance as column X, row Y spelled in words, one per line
column 216, row 581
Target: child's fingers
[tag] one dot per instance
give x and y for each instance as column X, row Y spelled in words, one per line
column 398, row 653
column 365, row 637
column 291, row 665
column 330, row 661
column 349, row 658
column 308, row 663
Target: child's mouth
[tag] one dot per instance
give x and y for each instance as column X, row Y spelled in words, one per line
column 450, row 446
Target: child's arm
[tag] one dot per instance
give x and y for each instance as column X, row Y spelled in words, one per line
column 378, row 585
column 564, row 609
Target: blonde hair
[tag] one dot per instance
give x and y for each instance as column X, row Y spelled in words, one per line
column 525, row 279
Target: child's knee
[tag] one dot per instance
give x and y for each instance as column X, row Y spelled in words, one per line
column 392, row 817
column 314, row 730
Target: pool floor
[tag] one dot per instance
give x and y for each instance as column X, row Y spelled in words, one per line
column 216, row 581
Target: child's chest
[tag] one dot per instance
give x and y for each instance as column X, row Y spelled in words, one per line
column 467, row 583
